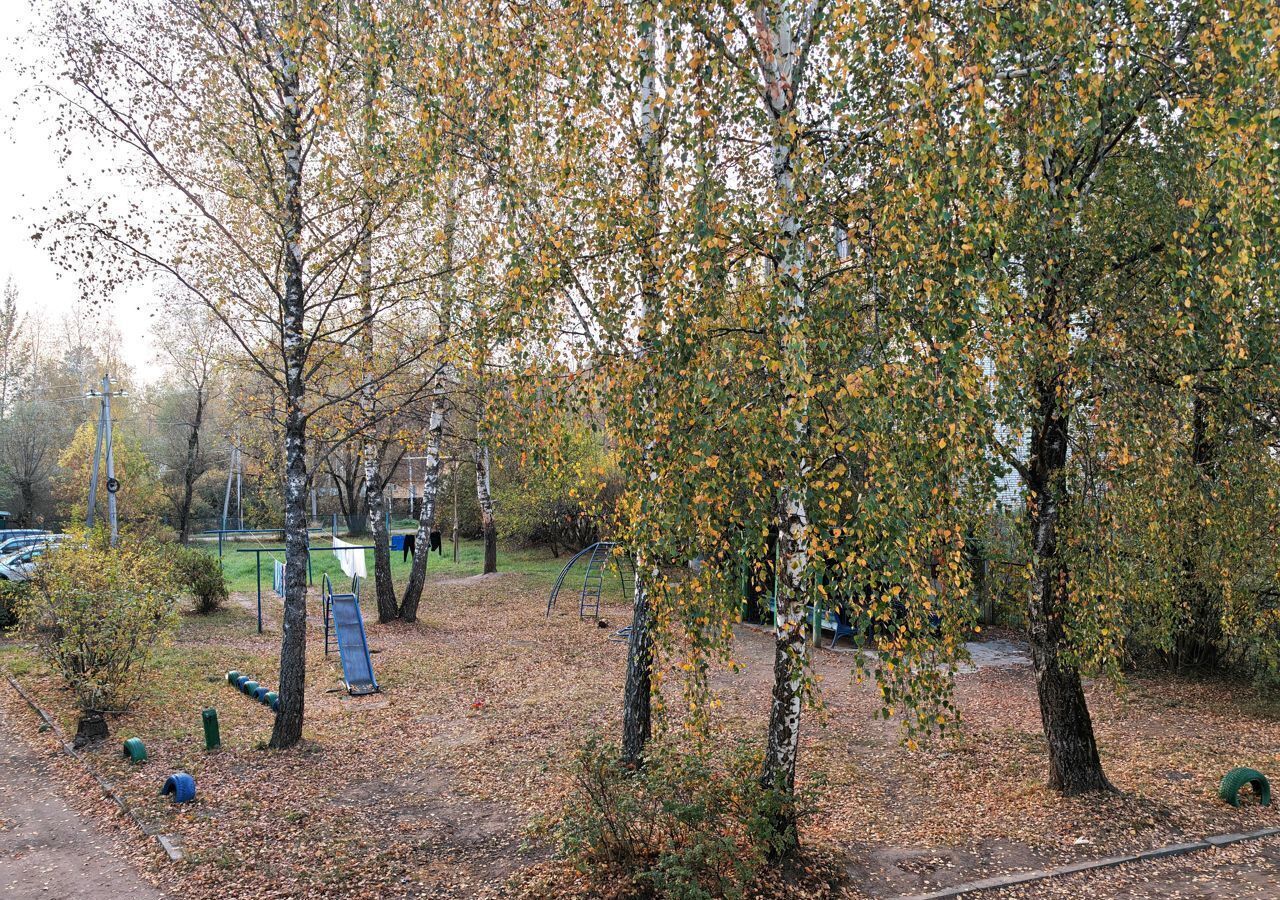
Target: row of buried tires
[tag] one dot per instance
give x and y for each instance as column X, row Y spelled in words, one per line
column 251, row 688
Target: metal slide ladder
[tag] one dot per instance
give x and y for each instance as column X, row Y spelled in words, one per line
column 343, row 620
column 593, row 582
column 598, row 556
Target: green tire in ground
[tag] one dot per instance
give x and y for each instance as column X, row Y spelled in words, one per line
column 232, row 676
column 134, row 749
column 249, row 687
column 1234, row 780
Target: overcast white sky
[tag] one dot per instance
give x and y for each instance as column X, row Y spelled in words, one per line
column 29, row 178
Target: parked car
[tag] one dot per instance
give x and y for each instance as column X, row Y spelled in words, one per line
column 6, row 533
column 11, row 545
column 19, row 566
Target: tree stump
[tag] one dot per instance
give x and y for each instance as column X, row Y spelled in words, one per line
column 91, row 728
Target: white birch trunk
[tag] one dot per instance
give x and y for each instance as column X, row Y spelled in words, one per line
column 435, row 434
column 427, row 507
column 637, row 716
column 287, row 729
column 779, row 52
column 372, row 448
column 484, row 498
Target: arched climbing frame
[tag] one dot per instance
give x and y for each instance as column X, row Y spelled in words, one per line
column 598, row 557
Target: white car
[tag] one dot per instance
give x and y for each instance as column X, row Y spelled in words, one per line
column 11, row 545
column 19, row 566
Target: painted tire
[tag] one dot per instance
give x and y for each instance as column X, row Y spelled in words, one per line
column 134, row 749
column 275, row 701
column 240, row 682
column 181, row 785
column 249, row 687
column 261, row 693
column 1236, row 779
column 232, row 676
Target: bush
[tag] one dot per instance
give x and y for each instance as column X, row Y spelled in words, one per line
column 96, row 613
column 683, row 827
column 561, row 495
column 11, row 592
column 201, row 575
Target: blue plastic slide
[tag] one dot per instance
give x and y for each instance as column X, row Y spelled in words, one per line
column 353, row 646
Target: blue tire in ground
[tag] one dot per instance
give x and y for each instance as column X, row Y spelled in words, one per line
column 261, row 693
column 239, row 682
column 181, row 785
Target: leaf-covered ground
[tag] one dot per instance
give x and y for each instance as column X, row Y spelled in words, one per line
column 430, row 788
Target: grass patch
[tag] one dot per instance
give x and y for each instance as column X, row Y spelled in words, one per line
column 17, row 660
column 241, row 570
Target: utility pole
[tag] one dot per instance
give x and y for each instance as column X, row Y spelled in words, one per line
column 105, row 436
column 231, row 474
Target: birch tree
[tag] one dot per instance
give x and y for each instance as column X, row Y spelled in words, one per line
column 651, row 54
column 1093, row 141
column 192, row 343
column 428, row 509
column 223, row 110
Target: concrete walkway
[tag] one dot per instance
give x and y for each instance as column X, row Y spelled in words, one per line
column 47, row 849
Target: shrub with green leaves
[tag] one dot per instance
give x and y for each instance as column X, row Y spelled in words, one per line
column 96, row 613
column 686, row 826
column 10, row 594
column 201, row 575
column 560, row 495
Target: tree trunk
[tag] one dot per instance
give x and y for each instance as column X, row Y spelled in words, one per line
column 484, row 498
column 455, row 533
column 189, row 474
column 385, row 587
column 372, row 449
column 347, row 485
column 790, row 644
column 1074, row 765
column 287, row 730
column 428, row 503
column 1198, row 641
column 637, row 697
column 789, row 658
column 426, row 508
column 26, row 515
column 637, row 700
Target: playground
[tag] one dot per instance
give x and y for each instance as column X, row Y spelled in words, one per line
column 441, row 782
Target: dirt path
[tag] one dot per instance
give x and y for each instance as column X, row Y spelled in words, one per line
column 48, row 850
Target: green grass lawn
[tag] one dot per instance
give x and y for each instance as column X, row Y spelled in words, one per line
column 241, row 573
